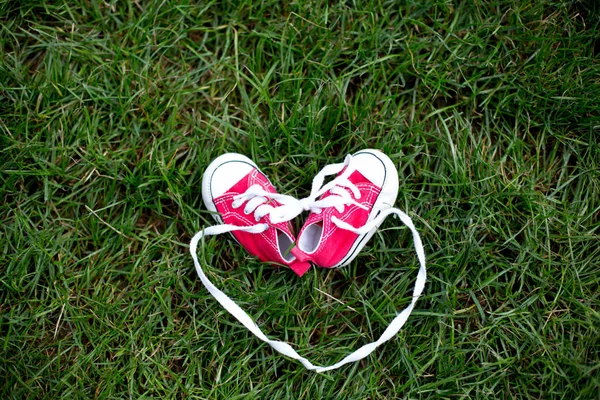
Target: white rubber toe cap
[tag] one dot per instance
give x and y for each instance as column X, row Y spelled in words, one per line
column 371, row 165
column 222, row 174
column 379, row 169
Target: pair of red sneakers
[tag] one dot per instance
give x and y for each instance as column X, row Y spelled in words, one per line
column 344, row 214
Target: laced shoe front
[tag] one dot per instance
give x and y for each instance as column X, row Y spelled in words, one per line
column 241, row 198
column 346, row 212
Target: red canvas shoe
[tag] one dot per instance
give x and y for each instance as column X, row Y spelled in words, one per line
column 347, row 211
column 241, row 198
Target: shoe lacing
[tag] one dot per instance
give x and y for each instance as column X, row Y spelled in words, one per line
column 258, row 203
column 341, row 190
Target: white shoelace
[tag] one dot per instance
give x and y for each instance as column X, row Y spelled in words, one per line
column 339, row 198
column 256, row 199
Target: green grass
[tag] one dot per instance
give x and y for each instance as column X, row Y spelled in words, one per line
column 110, row 112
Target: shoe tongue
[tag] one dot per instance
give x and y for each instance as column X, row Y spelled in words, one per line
column 356, row 177
column 243, row 184
column 254, row 177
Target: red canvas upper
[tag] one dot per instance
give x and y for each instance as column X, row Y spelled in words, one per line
column 335, row 242
column 263, row 245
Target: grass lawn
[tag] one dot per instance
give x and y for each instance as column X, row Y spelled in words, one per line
column 111, row 110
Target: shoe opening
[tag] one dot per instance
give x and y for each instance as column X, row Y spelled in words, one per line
column 285, row 244
column 311, row 237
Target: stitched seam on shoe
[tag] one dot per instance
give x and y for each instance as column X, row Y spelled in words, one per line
column 225, row 200
column 346, row 216
column 372, row 193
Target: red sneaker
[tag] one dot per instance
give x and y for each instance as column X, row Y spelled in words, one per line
column 241, row 198
column 349, row 209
